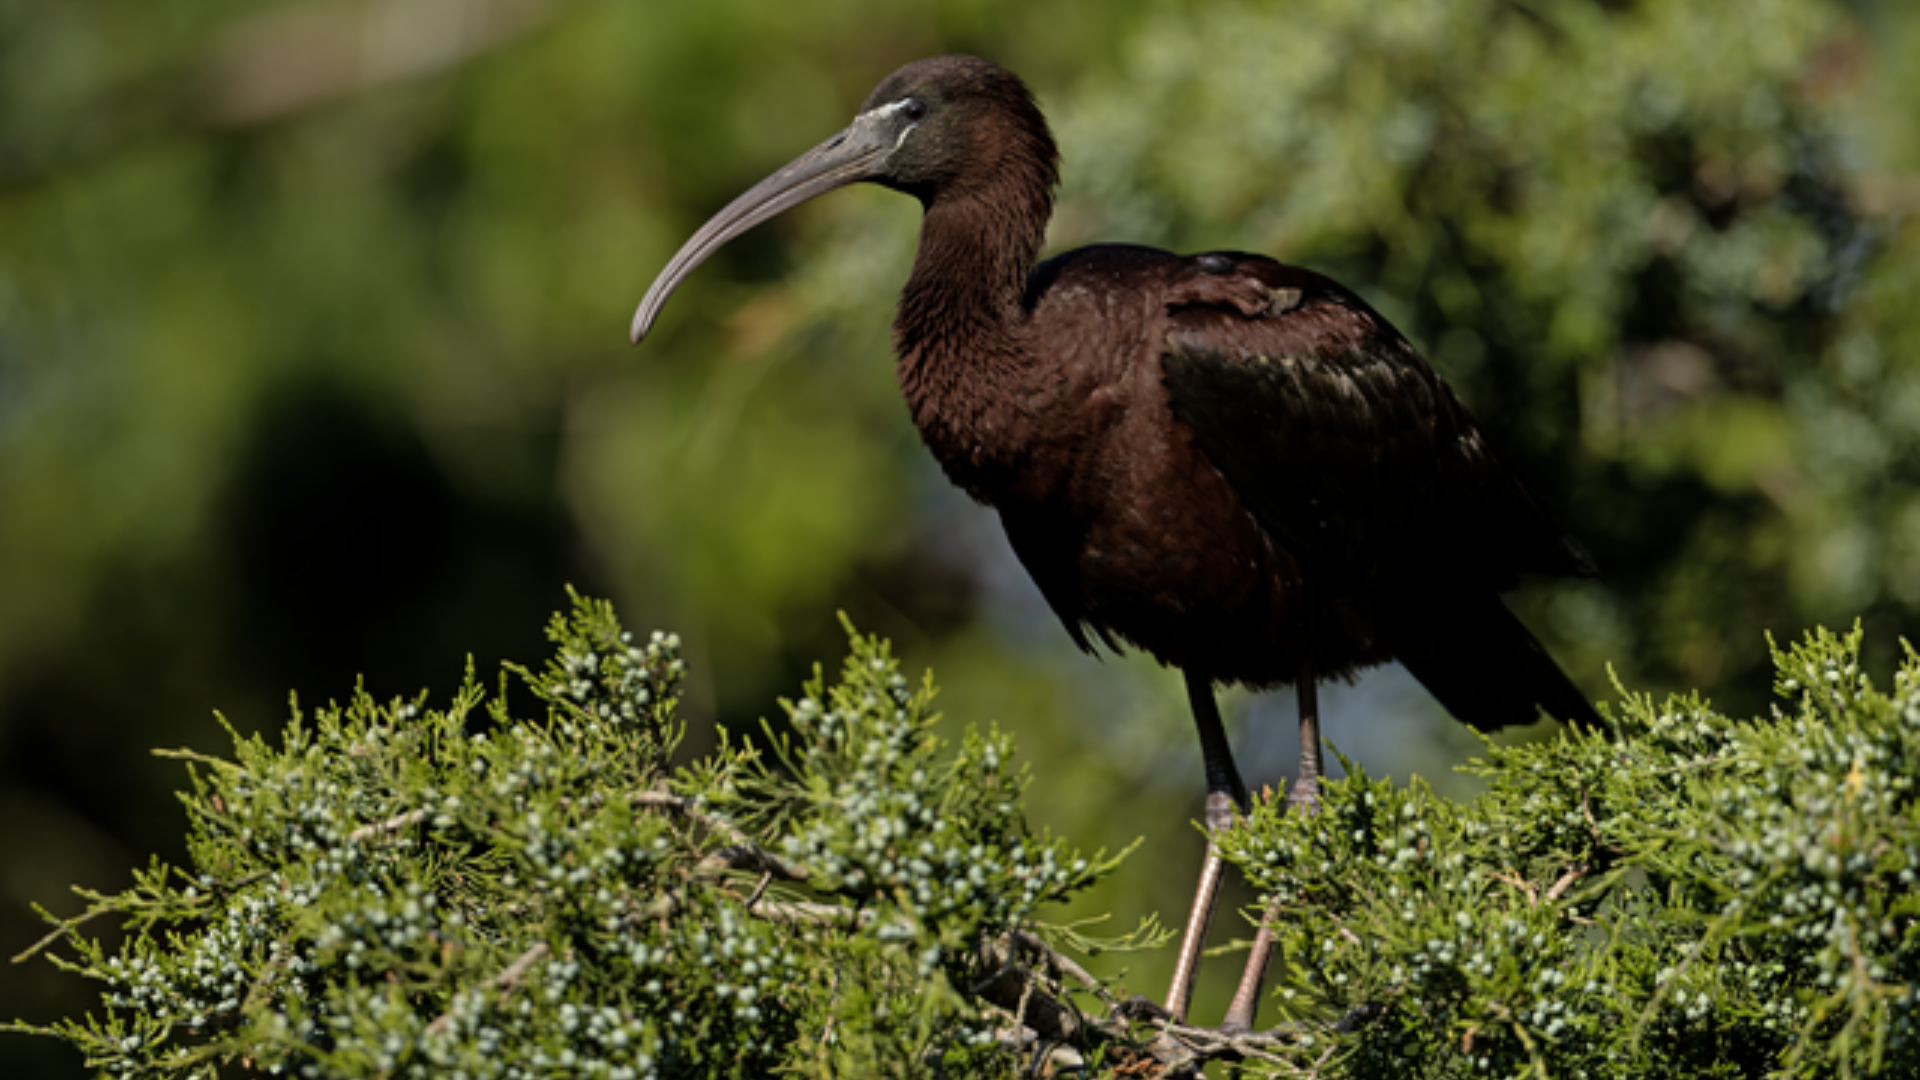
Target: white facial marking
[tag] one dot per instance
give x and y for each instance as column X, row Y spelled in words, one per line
column 884, row 111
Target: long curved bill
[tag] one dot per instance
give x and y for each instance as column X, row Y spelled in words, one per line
column 849, row 157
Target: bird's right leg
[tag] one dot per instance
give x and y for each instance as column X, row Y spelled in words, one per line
column 1303, row 798
column 1226, row 796
column 1305, row 795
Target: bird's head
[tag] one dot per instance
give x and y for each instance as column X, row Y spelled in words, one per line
column 932, row 129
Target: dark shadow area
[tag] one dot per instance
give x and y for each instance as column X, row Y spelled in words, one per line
column 340, row 550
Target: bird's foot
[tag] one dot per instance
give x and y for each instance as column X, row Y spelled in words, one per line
column 1232, row 1028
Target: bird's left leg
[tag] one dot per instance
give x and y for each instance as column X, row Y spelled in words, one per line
column 1226, row 796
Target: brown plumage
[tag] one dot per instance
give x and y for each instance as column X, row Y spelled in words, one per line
column 1233, row 464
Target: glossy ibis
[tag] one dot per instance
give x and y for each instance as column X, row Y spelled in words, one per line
column 1233, row 464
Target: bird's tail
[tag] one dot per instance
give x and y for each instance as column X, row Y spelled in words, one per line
column 1487, row 668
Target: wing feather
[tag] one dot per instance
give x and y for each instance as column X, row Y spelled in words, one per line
column 1344, row 443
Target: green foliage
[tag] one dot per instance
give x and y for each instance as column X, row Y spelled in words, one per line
column 1668, row 252
column 400, row 890
column 860, row 794
column 1686, row 895
column 312, row 351
column 397, row 890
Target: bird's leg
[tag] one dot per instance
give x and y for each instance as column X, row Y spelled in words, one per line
column 1304, row 798
column 1305, row 795
column 1226, row 795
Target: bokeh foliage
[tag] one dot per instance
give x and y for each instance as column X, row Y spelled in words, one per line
column 1645, row 272
column 311, row 356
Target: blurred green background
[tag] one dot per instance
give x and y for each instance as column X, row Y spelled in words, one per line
column 313, row 360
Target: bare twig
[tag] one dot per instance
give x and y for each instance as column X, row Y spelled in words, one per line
column 1566, row 882
column 833, row 994
column 525, row 960
column 744, row 854
column 1514, row 879
column 1026, row 997
column 806, row 911
column 1010, row 986
column 1196, row 1045
column 753, row 859
column 1053, row 1023
column 1063, row 964
column 393, row 824
column 503, row 981
column 1041, row 1016
column 759, row 890
column 667, row 800
column 1057, row 1055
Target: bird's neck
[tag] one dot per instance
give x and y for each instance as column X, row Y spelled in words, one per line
column 963, row 299
column 962, row 336
column 981, row 234
column 962, row 327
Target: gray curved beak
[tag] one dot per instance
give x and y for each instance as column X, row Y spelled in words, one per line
column 856, row 154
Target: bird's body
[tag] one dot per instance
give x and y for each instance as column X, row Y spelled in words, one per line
column 1126, row 527
column 1089, row 434
column 1233, row 464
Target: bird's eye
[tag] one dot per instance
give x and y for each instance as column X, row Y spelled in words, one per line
column 914, row 109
